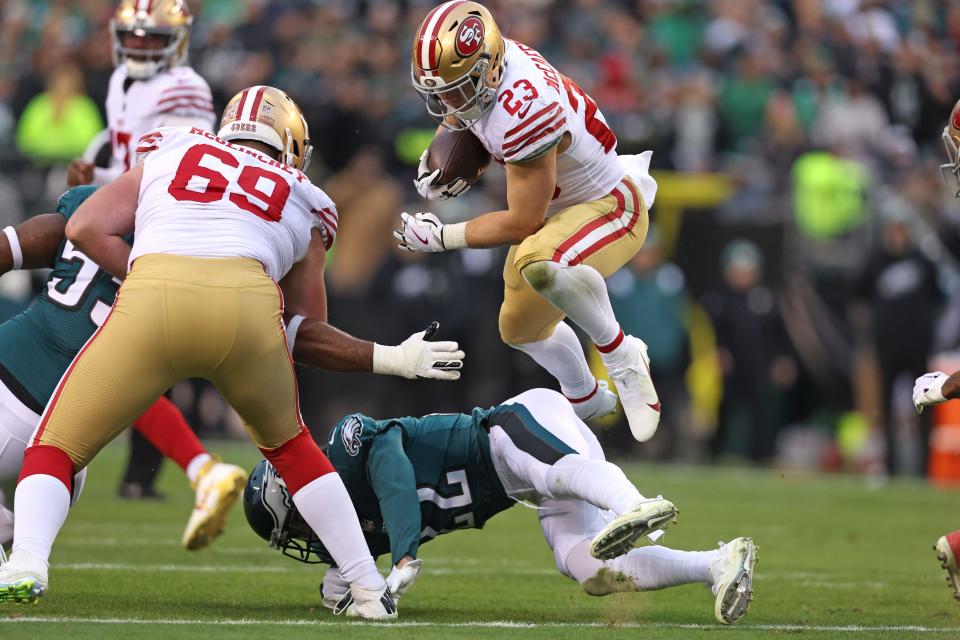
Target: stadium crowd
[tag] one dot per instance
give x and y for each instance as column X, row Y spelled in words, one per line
column 805, row 251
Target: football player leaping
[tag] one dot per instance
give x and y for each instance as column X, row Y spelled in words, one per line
column 574, row 214
column 37, row 346
column 936, row 387
column 151, row 86
column 227, row 227
column 412, row 479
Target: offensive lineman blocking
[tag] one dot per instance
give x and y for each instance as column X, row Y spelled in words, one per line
column 224, row 232
column 575, row 214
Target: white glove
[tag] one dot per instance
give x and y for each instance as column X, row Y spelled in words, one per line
column 426, row 182
column 415, row 357
column 422, row 232
column 333, row 588
column 928, row 389
column 400, row 580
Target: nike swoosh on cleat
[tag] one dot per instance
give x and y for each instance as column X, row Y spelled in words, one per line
column 655, row 407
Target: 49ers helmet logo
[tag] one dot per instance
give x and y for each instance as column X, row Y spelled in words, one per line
column 956, row 119
column 469, row 36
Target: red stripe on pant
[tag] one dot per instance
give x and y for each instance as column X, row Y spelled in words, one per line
column 299, row 461
column 166, row 429
column 47, row 460
column 591, row 226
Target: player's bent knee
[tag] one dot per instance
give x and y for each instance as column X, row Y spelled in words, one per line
column 540, row 275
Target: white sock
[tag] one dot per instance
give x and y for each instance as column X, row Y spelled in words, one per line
column 648, row 568
column 6, row 525
column 194, row 466
column 326, row 507
column 580, row 292
column 562, row 355
column 601, row 483
column 41, row 504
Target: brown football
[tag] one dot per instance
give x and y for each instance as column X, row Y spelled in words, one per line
column 458, row 154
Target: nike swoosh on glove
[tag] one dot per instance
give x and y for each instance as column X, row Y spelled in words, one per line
column 427, row 182
column 420, row 232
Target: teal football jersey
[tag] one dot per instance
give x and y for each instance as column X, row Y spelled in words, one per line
column 38, row 345
column 416, row 478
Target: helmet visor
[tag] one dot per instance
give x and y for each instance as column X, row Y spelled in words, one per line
column 459, row 104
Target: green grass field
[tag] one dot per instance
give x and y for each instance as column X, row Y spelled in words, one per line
column 837, row 560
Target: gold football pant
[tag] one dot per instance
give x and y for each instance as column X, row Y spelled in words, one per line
column 604, row 234
column 179, row 317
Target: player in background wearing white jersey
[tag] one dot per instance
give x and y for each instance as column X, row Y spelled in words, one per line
column 151, row 86
column 227, row 228
column 937, row 387
column 574, row 216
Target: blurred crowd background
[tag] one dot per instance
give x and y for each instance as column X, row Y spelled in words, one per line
column 803, row 264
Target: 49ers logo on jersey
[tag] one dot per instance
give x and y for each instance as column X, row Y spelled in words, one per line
column 469, row 37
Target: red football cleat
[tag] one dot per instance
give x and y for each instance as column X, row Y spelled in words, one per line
column 948, row 550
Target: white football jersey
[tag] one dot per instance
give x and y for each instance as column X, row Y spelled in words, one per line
column 173, row 97
column 535, row 106
column 208, row 198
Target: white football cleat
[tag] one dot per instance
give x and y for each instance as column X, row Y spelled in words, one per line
column 637, row 393
column 602, row 402
column 218, row 487
column 732, row 573
column 23, row 578
column 645, row 517
column 368, row 604
column 947, row 548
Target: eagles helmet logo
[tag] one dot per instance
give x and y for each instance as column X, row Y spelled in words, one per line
column 350, row 435
column 469, row 37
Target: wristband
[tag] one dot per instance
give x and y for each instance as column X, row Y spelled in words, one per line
column 454, row 236
column 15, row 251
column 387, row 360
column 291, row 331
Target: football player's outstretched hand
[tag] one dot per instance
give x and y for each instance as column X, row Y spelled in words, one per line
column 928, row 389
column 427, row 182
column 402, row 578
column 420, row 232
column 416, row 357
column 79, row 172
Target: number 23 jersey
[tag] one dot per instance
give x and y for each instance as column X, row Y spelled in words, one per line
column 205, row 197
column 535, row 106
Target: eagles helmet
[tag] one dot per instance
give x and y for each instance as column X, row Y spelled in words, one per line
column 271, row 513
column 951, row 141
column 170, row 19
column 457, row 62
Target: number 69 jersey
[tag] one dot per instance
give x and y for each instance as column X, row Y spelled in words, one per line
column 204, row 197
column 535, row 106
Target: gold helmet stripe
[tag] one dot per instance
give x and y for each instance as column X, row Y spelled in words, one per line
column 428, row 53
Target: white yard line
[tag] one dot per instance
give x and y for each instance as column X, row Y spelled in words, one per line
column 497, row 624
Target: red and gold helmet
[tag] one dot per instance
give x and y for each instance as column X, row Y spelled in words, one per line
column 270, row 116
column 161, row 31
column 951, row 141
column 457, row 62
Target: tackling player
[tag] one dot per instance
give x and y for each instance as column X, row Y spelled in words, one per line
column 574, row 215
column 412, row 479
column 936, row 387
column 37, row 346
column 227, row 229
